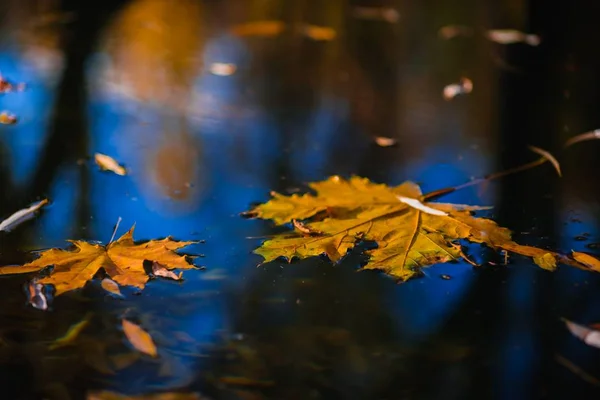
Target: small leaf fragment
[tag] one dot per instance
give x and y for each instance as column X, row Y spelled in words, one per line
column 587, row 260
column 71, row 334
column 111, row 287
column 107, row 163
column 21, row 216
column 160, row 270
column 416, row 204
column 383, row 141
column 139, row 338
column 546, row 261
column 511, row 36
column 318, row 33
column 464, row 86
column 222, row 69
column 589, row 336
column 7, row 118
column 36, row 295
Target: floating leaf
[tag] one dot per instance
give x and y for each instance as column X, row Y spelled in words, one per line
column 139, row 338
column 385, row 141
column 318, row 33
column 21, row 216
column 510, row 36
column 587, row 260
column 111, row 287
column 464, row 86
column 107, row 163
column 222, row 69
column 410, row 234
column 7, row 118
column 591, row 337
column 123, row 261
column 71, row 334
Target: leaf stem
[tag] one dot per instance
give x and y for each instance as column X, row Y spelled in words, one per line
column 487, row 178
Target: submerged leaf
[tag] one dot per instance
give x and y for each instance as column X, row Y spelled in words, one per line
column 410, row 234
column 139, row 338
column 71, row 334
column 21, row 216
column 123, row 261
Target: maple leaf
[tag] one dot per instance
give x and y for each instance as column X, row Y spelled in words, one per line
column 123, row 261
column 409, row 234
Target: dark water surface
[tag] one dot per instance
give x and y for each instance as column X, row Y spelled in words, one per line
column 132, row 80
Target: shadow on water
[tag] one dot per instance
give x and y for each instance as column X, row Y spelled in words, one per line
column 133, row 80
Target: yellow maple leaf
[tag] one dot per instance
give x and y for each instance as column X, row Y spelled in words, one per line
column 123, row 261
column 410, row 234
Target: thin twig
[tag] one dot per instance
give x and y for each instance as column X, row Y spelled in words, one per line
column 115, row 230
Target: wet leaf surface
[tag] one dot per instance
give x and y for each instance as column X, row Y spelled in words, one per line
column 122, row 260
column 409, row 234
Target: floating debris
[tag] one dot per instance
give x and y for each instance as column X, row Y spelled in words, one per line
column 511, row 36
column 548, row 157
column 385, row 141
column 589, row 336
column 464, row 86
column 259, row 28
column 7, row 118
column 6, row 86
column 163, row 272
column 318, row 33
column 451, row 31
column 36, row 295
column 592, row 135
column 21, row 216
column 222, row 69
column 107, row 163
column 376, row 14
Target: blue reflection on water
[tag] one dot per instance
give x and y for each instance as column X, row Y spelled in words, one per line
column 32, row 107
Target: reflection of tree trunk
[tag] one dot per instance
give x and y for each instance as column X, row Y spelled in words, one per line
column 68, row 127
